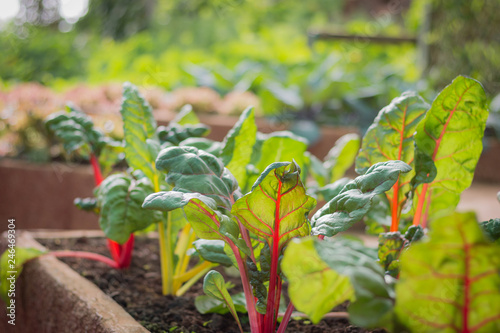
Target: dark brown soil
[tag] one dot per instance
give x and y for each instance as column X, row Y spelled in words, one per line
column 138, row 290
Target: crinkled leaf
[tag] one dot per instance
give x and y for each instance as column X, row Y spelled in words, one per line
column 206, row 304
column 342, row 155
column 354, row 201
column 390, row 137
column 277, row 207
column 451, row 135
column 214, row 286
column 213, row 251
column 11, row 266
column 238, row 146
column 175, row 133
column 75, row 130
column 201, row 211
column 87, row 204
column 120, row 199
column 451, row 282
column 139, row 126
column 414, row 233
column 390, row 245
column 192, row 170
column 492, row 229
column 330, row 191
column 210, row 146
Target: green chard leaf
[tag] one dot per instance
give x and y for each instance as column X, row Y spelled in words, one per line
column 139, row 127
column 330, row 191
column 390, row 245
column 192, row 170
column 186, row 116
column 313, row 287
column 120, row 199
column 341, row 156
column 354, row 201
column 175, row 133
column 277, row 207
column 213, row 251
column 451, row 136
column 214, row 286
column 201, row 211
column 492, row 229
column 207, row 304
column 390, row 137
column 276, row 147
column 210, row 146
column 450, row 283
column 238, row 146
column 87, row 204
column 323, row 274
column 11, row 266
column 76, row 131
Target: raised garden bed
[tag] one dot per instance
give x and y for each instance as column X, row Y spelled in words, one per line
column 51, row 297
column 79, row 306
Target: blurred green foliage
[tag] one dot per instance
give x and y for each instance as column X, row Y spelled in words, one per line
column 463, row 38
column 36, row 54
column 259, row 46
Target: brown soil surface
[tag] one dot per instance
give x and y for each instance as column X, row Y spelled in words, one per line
column 138, row 290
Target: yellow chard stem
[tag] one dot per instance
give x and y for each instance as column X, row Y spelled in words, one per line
column 199, row 272
column 165, row 248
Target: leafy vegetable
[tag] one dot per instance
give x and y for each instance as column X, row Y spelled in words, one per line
column 354, row 201
column 76, row 131
column 207, row 304
column 214, row 286
column 238, row 146
column 276, row 209
column 450, row 283
column 451, row 136
column 192, row 170
column 390, row 137
column 120, row 199
column 323, row 274
column 139, row 127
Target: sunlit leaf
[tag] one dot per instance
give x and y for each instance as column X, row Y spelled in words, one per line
column 276, row 209
column 238, row 146
column 390, row 137
column 139, row 126
column 450, row 135
column 450, row 283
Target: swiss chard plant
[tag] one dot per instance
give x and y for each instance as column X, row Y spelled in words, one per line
column 77, row 133
column 251, row 231
column 441, row 280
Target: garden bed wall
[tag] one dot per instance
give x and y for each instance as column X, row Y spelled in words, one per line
column 41, row 195
column 51, row 297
